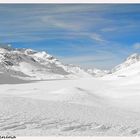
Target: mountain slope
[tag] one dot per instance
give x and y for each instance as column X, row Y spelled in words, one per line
column 128, row 71
column 97, row 72
column 30, row 64
column 130, row 67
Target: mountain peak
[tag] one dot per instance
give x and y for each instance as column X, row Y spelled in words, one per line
column 31, row 64
column 130, row 60
column 134, row 56
column 29, row 51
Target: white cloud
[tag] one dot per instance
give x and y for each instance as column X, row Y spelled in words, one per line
column 136, row 45
column 97, row 37
column 58, row 22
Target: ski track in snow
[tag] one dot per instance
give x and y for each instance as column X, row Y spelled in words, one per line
column 69, row 108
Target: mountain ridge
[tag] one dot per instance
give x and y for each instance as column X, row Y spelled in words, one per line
column 31, row 64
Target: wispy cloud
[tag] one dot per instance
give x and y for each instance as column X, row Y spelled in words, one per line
column 136, row 45
column 98, row 38
column 59, row 22
column 103, row 59
column 80, row 31
column 90, row 61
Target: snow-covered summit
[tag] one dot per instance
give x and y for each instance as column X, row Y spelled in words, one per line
column 131, row 66
column 132, row 59
column 36, row 65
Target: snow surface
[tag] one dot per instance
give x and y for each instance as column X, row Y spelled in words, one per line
column 40, row 96
column 97, row 72
column 90, row 106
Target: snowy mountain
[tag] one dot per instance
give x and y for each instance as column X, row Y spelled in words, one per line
column 97, row 72
column 105, row 106
column 131, row 66
column 30, row 64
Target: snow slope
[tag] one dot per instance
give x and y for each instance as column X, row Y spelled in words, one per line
column 40, row 96
column 129, row 67
column 89, row 106
column 32, row 65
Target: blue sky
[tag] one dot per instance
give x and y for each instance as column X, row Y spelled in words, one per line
column 89, row 35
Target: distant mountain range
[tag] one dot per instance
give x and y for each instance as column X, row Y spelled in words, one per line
column 29, row 64
column 33, row 65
